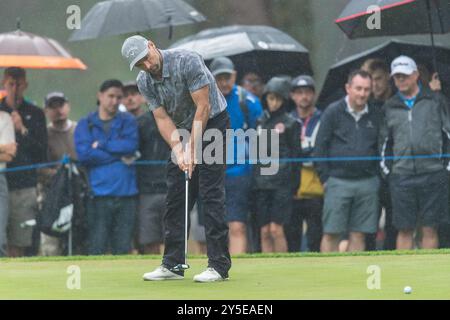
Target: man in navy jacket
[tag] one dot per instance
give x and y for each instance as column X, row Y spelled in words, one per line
column 106, row 141
column 349, row 128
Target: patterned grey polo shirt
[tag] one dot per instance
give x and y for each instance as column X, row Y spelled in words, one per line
column 183, row 72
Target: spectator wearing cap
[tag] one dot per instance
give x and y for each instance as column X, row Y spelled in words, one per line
column 274, row 191
column 60, row 132
column 31, row 137
column 60, row 128
column 244, row 109
column 8, row 150
column 308, row 200
column 106, row 142
column 132, row 99
column 349, row 128
column 416, row 123
column 433, row 81
column 151, row 178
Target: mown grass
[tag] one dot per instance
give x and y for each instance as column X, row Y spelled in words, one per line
column 241, row 256
column 262, row 277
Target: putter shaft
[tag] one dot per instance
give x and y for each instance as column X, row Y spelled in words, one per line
column 186, row 175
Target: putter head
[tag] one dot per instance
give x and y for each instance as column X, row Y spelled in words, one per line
column 180, row 267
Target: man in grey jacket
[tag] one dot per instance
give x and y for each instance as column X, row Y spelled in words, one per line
column 416, row 131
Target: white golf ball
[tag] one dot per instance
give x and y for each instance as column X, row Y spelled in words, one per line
column 407, row 290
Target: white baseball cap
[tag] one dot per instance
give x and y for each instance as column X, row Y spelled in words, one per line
column 403, row 65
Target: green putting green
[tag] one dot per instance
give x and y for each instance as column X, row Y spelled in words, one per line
column 264, row 277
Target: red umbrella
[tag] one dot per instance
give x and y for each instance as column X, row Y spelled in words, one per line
column 27, row 50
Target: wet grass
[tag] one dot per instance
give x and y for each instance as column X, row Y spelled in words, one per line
column 260, row 276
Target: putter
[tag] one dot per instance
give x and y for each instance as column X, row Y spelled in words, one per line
column 185, row 266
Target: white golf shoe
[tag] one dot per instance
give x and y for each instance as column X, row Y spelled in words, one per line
column 162, row 273
column 210, row 275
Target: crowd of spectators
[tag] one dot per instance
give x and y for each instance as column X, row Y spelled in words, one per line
column 373, row 174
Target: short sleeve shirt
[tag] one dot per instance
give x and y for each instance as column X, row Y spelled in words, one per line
column 7, row 134
column 183, row 72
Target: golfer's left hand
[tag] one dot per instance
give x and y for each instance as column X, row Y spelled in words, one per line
column 189, row 159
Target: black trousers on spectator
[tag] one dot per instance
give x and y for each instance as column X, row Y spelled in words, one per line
column 311, row 211
column 390, row 232
column 444, row 236
column 208, row 183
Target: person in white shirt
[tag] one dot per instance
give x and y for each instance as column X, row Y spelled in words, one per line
column 7, row 152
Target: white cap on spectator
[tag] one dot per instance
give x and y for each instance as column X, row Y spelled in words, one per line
column 403, row 65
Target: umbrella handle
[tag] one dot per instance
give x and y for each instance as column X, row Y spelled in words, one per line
column 170, row 27
column 433, row 45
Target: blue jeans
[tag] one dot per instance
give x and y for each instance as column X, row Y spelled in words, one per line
column 237, row 191
column 110, row 224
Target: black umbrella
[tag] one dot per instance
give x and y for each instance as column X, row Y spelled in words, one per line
column 398, row 17
column 116, row 17
column 333, row 87
column 263, row 49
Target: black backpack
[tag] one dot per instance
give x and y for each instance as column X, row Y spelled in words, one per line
column 64, row 204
